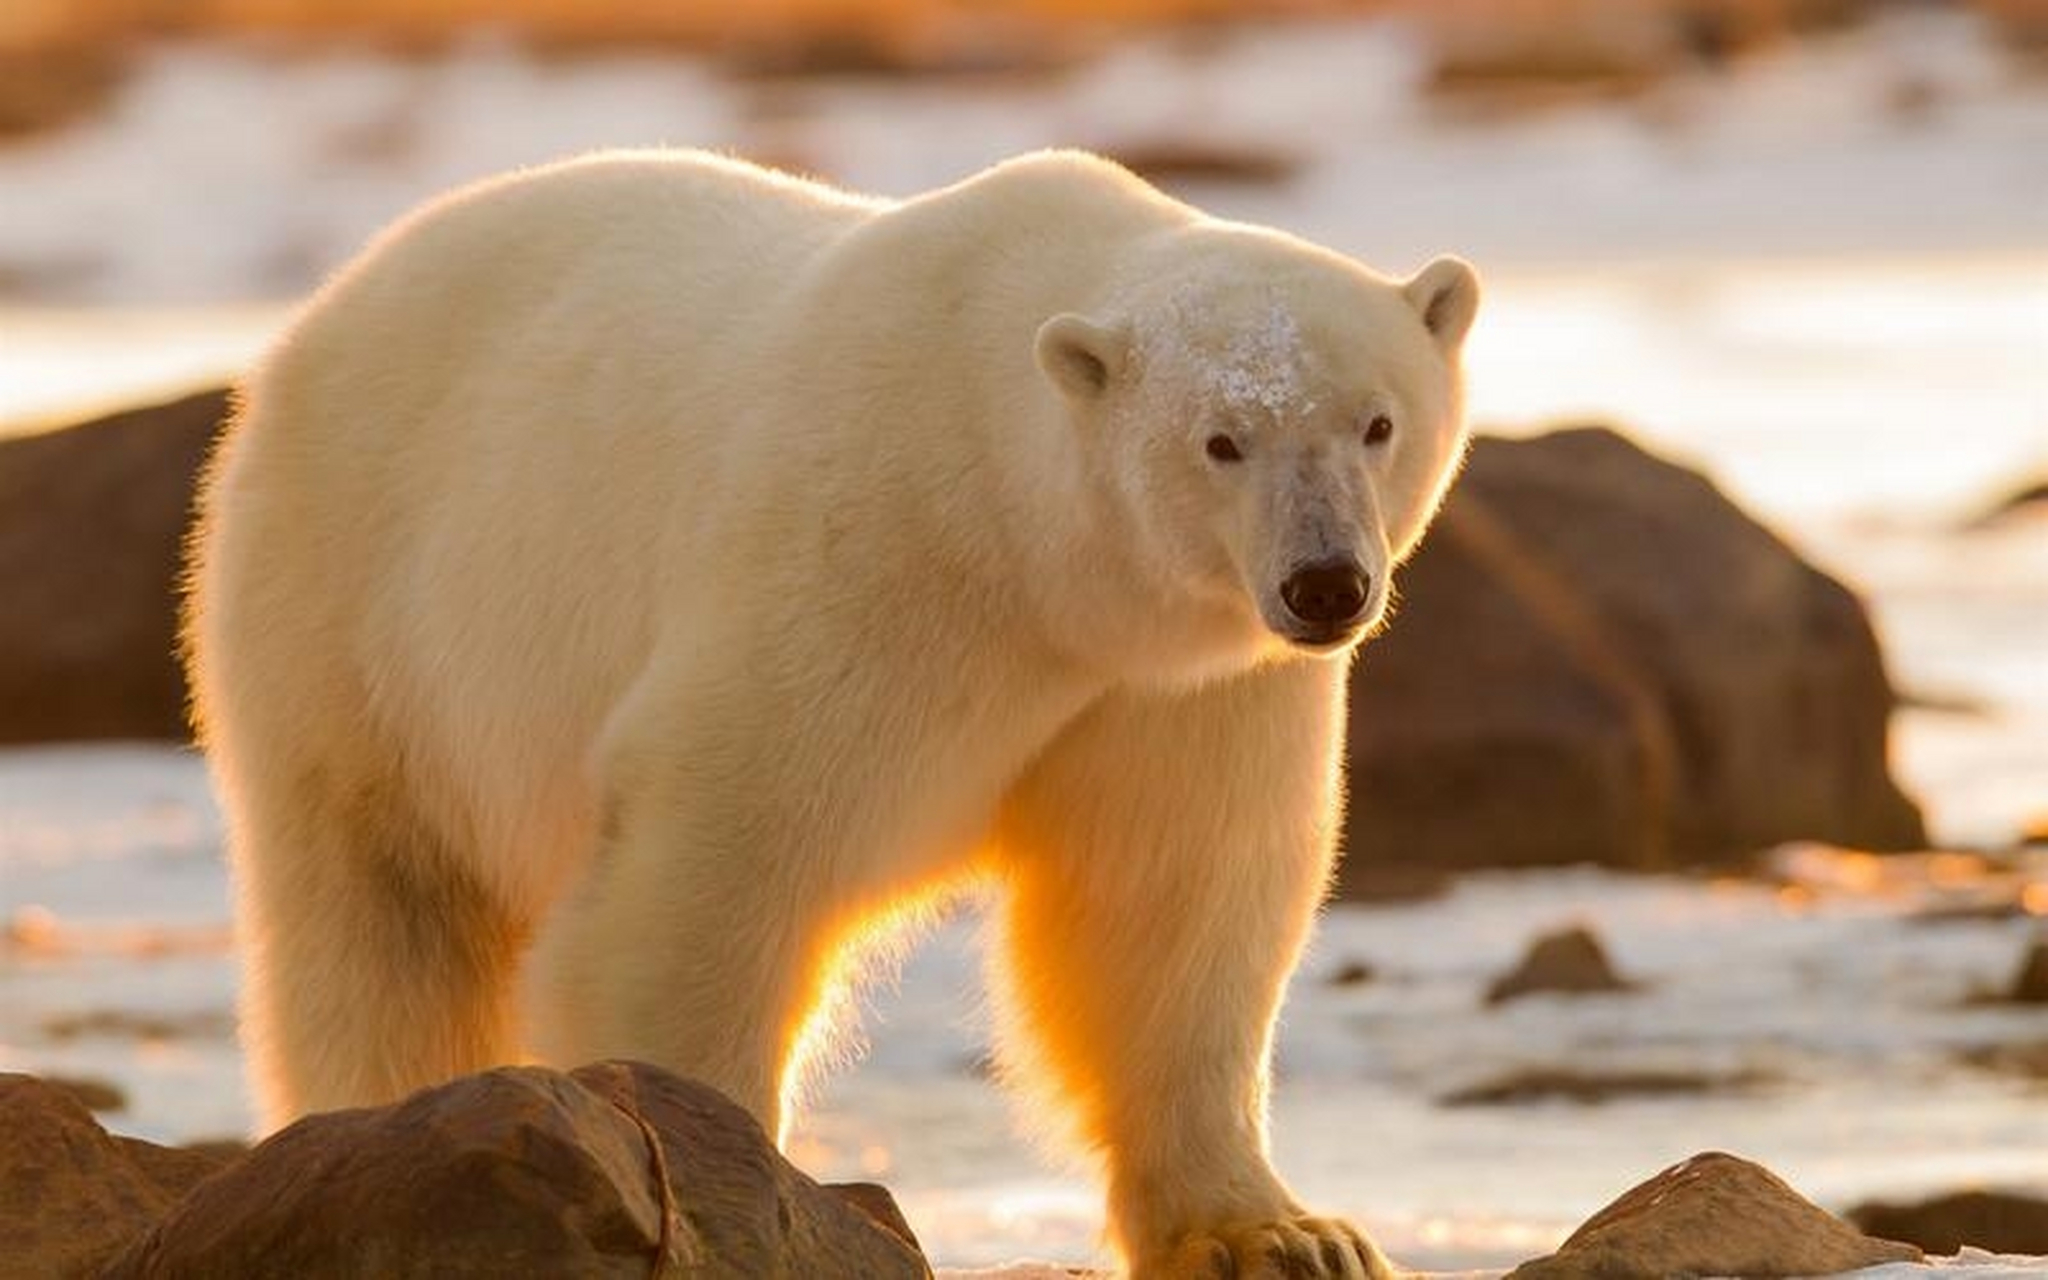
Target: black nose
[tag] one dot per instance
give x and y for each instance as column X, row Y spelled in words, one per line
column 1326, row 592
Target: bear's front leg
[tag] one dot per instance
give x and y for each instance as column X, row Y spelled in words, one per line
column 703, row 934
column 1165, row 860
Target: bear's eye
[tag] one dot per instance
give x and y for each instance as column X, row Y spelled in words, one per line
column 1224, row 449
column 1379, row 430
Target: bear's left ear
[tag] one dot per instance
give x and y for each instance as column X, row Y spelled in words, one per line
column 1446, row 295
column 1081, row 357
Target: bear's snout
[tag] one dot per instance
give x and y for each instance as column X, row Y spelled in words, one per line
column 1329, row 595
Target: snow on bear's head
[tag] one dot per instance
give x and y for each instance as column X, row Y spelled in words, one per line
column 1279, row 422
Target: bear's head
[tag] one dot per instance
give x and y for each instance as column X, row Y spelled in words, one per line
column 1277, row 425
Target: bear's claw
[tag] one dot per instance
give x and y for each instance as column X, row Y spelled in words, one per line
column 1293, row 1249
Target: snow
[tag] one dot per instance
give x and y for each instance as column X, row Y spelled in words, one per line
column 1262, row 367
column 1970, row 1264
column 1862, row 1021
column 1259, row 369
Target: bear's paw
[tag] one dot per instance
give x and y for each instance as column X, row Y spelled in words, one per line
column 1301, row 1248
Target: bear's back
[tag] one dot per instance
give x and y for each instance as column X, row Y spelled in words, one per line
column 662, row 229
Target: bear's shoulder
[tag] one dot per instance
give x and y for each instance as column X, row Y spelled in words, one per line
column 1078, row 197
column 1064, row 182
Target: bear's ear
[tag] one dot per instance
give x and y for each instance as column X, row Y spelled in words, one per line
column 1446, row 295
column 1081, row 357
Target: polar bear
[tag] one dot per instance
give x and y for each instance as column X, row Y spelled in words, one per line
column 635, row 581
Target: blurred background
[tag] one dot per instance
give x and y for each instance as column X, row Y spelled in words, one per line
column 1797, row 249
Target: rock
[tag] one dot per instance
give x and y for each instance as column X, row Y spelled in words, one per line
column 138, row 1025
column 45, row 87
column 874, row 1200
column 2030, row 984
column 1552, row 1084
column 1570, row 961
column 1998, row 1221
column 71, row 1195
column 176, row 1170
column 93, row 1093
column 1599, row 658
column 1985, row 907
column 1493, row 725
column 614, row 1169
column 1712, row 1215
column 1353, row 973
column 2027, row 1059
column 1178, row 162
column 752, row 1212
column 92, row 518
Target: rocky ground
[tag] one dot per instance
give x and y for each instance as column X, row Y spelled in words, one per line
column 619, row 1169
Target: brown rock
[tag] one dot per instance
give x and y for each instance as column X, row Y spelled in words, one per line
column 1548, row 1084
column 2027, row 1059
column 1999, row 1221
column 1493, row 725
column 1979, row 907
column 179, row 1169
column 1353, row 973
column 1712, row 1215
column 2030, row 984
column 752, row 1212
column 1176, row 162
column 71, row 1195
column 138, row 1025
column 616, row 1169
column 1599, row 658
column 1571, row 961
column 874, row 1200
column 44, row 87
column 91, row 521
column 92, row 1092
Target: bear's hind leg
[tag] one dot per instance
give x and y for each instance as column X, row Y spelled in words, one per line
column 374, row 965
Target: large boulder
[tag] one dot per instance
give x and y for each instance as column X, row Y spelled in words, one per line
column 92, row 518
column 1712, row 1215
column 1998, row 1221
column 1599, row 658
column 614, row 1169
column 71, row 1194
column 2030, row 982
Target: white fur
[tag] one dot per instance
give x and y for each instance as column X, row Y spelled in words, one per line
column 634, row 582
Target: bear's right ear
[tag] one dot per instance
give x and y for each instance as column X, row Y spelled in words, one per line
column 1081, row 357
column 1446, row 295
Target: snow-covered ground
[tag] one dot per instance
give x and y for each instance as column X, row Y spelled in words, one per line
column 1856, row 1057
column 1839, row 309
